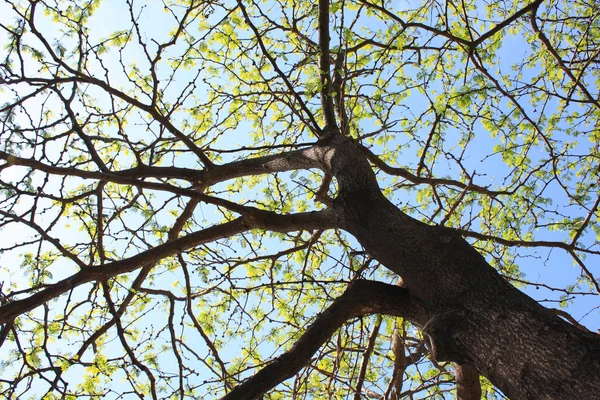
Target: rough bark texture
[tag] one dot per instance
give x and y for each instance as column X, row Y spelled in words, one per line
column 467, row 383
column 475, row 317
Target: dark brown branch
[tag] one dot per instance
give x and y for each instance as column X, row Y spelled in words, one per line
column 183, row 218
column 467, row 383
column 429, row 181
column 585, row 270
column 569, row 317
column 524, row 243
column 506, row 22
column 324, row 66
column 405, row 25
column 361, row 298
column 421, row 164
column 263, row 48
column 401, row 362
column 321, row 193
column 544, row 39
column 365, row 362
column 263, row 219
column 338, row 91
column 300, row 159
column 587, row 220
column 117, row 178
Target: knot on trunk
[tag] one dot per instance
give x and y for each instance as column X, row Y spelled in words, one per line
column 443, row 333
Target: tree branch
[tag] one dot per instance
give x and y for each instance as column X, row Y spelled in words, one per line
column 324, row 66
column 262, row 220
column 506, row 22
column 546, row 42
column 366, row 357
column 287, row 161
column 361, row 298
column 404, row 173
column 467, row 382
column 151, row 109
column 263, row 48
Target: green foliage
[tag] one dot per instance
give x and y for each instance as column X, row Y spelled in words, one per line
column 481, row 122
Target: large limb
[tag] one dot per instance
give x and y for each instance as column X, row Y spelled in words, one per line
column 251, row 218
column 286, row 161
column 254, row 220
column 361, row 298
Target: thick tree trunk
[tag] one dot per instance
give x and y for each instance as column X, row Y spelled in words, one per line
column 475, row 317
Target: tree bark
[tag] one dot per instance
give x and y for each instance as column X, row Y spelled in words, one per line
column 467, row 383
column 475, row 317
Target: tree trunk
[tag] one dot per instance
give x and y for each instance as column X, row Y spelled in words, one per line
column 475, row 317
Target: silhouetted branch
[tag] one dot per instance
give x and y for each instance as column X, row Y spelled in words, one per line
column 361, row 298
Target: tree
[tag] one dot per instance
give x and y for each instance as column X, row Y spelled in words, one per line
column 337, row 200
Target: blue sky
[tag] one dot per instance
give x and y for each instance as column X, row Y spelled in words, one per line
column 553, row 268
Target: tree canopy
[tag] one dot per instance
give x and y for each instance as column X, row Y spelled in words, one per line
column 221, row 198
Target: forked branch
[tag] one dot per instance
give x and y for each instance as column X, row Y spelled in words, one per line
column 361, row 298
